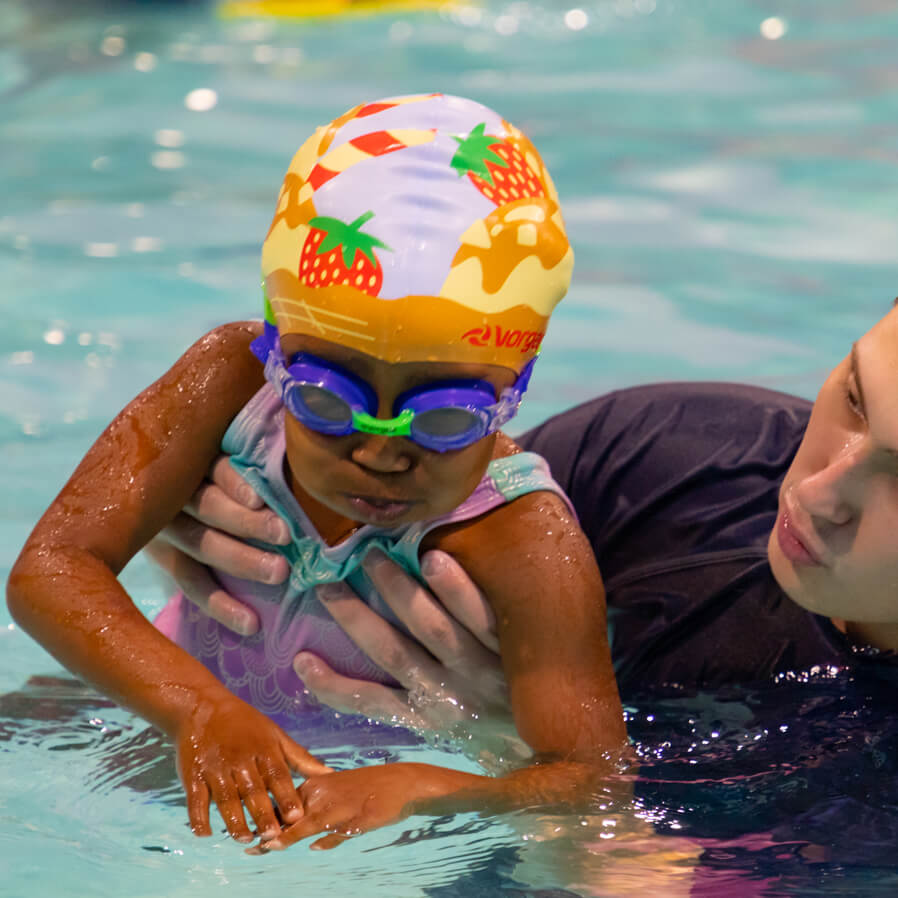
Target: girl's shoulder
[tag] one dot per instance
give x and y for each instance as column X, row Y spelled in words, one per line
column 525, row 514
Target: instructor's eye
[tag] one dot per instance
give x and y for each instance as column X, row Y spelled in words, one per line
column 852, row 398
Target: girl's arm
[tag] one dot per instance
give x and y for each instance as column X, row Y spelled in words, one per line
column 535, row 565
column 63, row 588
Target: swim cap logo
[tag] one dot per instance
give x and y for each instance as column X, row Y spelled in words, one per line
column 489, row 335
column 479, row 336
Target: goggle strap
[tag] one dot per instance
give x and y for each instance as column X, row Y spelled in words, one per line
column 510, row 398
column 263, row 345
column 267, row 349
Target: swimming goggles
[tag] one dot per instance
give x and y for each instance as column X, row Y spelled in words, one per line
column 441, row 416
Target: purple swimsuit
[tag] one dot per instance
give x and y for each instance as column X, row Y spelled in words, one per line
column 259, row 668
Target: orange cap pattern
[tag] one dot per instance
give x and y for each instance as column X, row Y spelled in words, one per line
column 421, row 228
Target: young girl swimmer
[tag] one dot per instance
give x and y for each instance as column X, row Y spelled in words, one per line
column 415, row 255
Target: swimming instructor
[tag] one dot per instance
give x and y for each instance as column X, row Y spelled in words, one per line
column 740, row 533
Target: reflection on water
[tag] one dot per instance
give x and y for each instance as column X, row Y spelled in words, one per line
column 785, row 788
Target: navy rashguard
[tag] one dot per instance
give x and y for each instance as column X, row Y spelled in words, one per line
column 676, row 486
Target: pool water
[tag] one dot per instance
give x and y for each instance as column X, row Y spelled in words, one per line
column 728, row 174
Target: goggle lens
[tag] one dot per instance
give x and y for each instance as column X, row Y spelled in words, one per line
column 442, row 417
column 447, row 423
column 325, row 404
column 319, row 408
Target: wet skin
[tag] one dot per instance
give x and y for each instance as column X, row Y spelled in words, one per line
column 834, row 549
column 341, row 481
column 529, row 557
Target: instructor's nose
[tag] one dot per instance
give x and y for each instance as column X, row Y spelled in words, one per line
column 833, row 493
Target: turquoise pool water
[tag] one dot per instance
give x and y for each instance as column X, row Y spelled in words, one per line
column 728, row 173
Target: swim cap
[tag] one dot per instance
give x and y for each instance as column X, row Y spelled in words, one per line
column 420, row 228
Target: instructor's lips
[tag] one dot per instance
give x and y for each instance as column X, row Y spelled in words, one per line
column 795, row 544
column 379, row 511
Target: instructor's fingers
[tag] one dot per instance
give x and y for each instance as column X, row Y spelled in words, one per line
column 399, row 656
column 200, row 588
column 427, row 620
column 223, row 474
column 218, row 550
column 211, row 505
column 460, row 596
column 355, row 696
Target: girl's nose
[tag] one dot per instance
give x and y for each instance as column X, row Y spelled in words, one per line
column 383, row 454
column 832, row 493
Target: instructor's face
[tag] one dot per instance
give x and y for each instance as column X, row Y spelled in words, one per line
column 834, row 548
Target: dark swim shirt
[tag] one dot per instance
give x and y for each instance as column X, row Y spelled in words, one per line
column 676, row 487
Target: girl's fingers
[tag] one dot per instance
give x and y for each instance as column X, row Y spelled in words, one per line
column 198, row 807
column 327, row 842
column 227, row 798
column 254, row 795
column 460, row 596
column 279, row 783
column 355, row 696
column 308, row 826
column 302, row 761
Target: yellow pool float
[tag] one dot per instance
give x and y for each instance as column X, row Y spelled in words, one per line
column 309, row 9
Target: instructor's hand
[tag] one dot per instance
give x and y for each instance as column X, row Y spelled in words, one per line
column 451, row 677
column 223, row 512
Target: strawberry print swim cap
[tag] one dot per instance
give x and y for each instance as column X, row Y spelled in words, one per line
column 419, row 228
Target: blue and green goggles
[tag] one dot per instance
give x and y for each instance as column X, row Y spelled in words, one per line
column 440, row 416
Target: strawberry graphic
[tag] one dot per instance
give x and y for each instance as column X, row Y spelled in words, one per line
column 496, row 167
column 339, row 253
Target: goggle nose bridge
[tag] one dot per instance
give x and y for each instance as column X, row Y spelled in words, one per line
column 490, row 418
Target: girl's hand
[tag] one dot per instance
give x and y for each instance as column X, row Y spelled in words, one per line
column 211, row 530
column 234, row 755
column 350, row 802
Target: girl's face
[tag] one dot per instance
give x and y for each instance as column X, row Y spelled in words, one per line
column 834, row 549
column 362, row 478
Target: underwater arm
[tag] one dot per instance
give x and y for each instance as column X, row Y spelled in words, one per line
column 64, row 592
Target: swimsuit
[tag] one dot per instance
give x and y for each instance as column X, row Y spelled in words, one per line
column 259, row 668
column 676, row 486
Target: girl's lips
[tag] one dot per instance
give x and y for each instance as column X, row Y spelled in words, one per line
column 793, row 543
column 379, row 511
